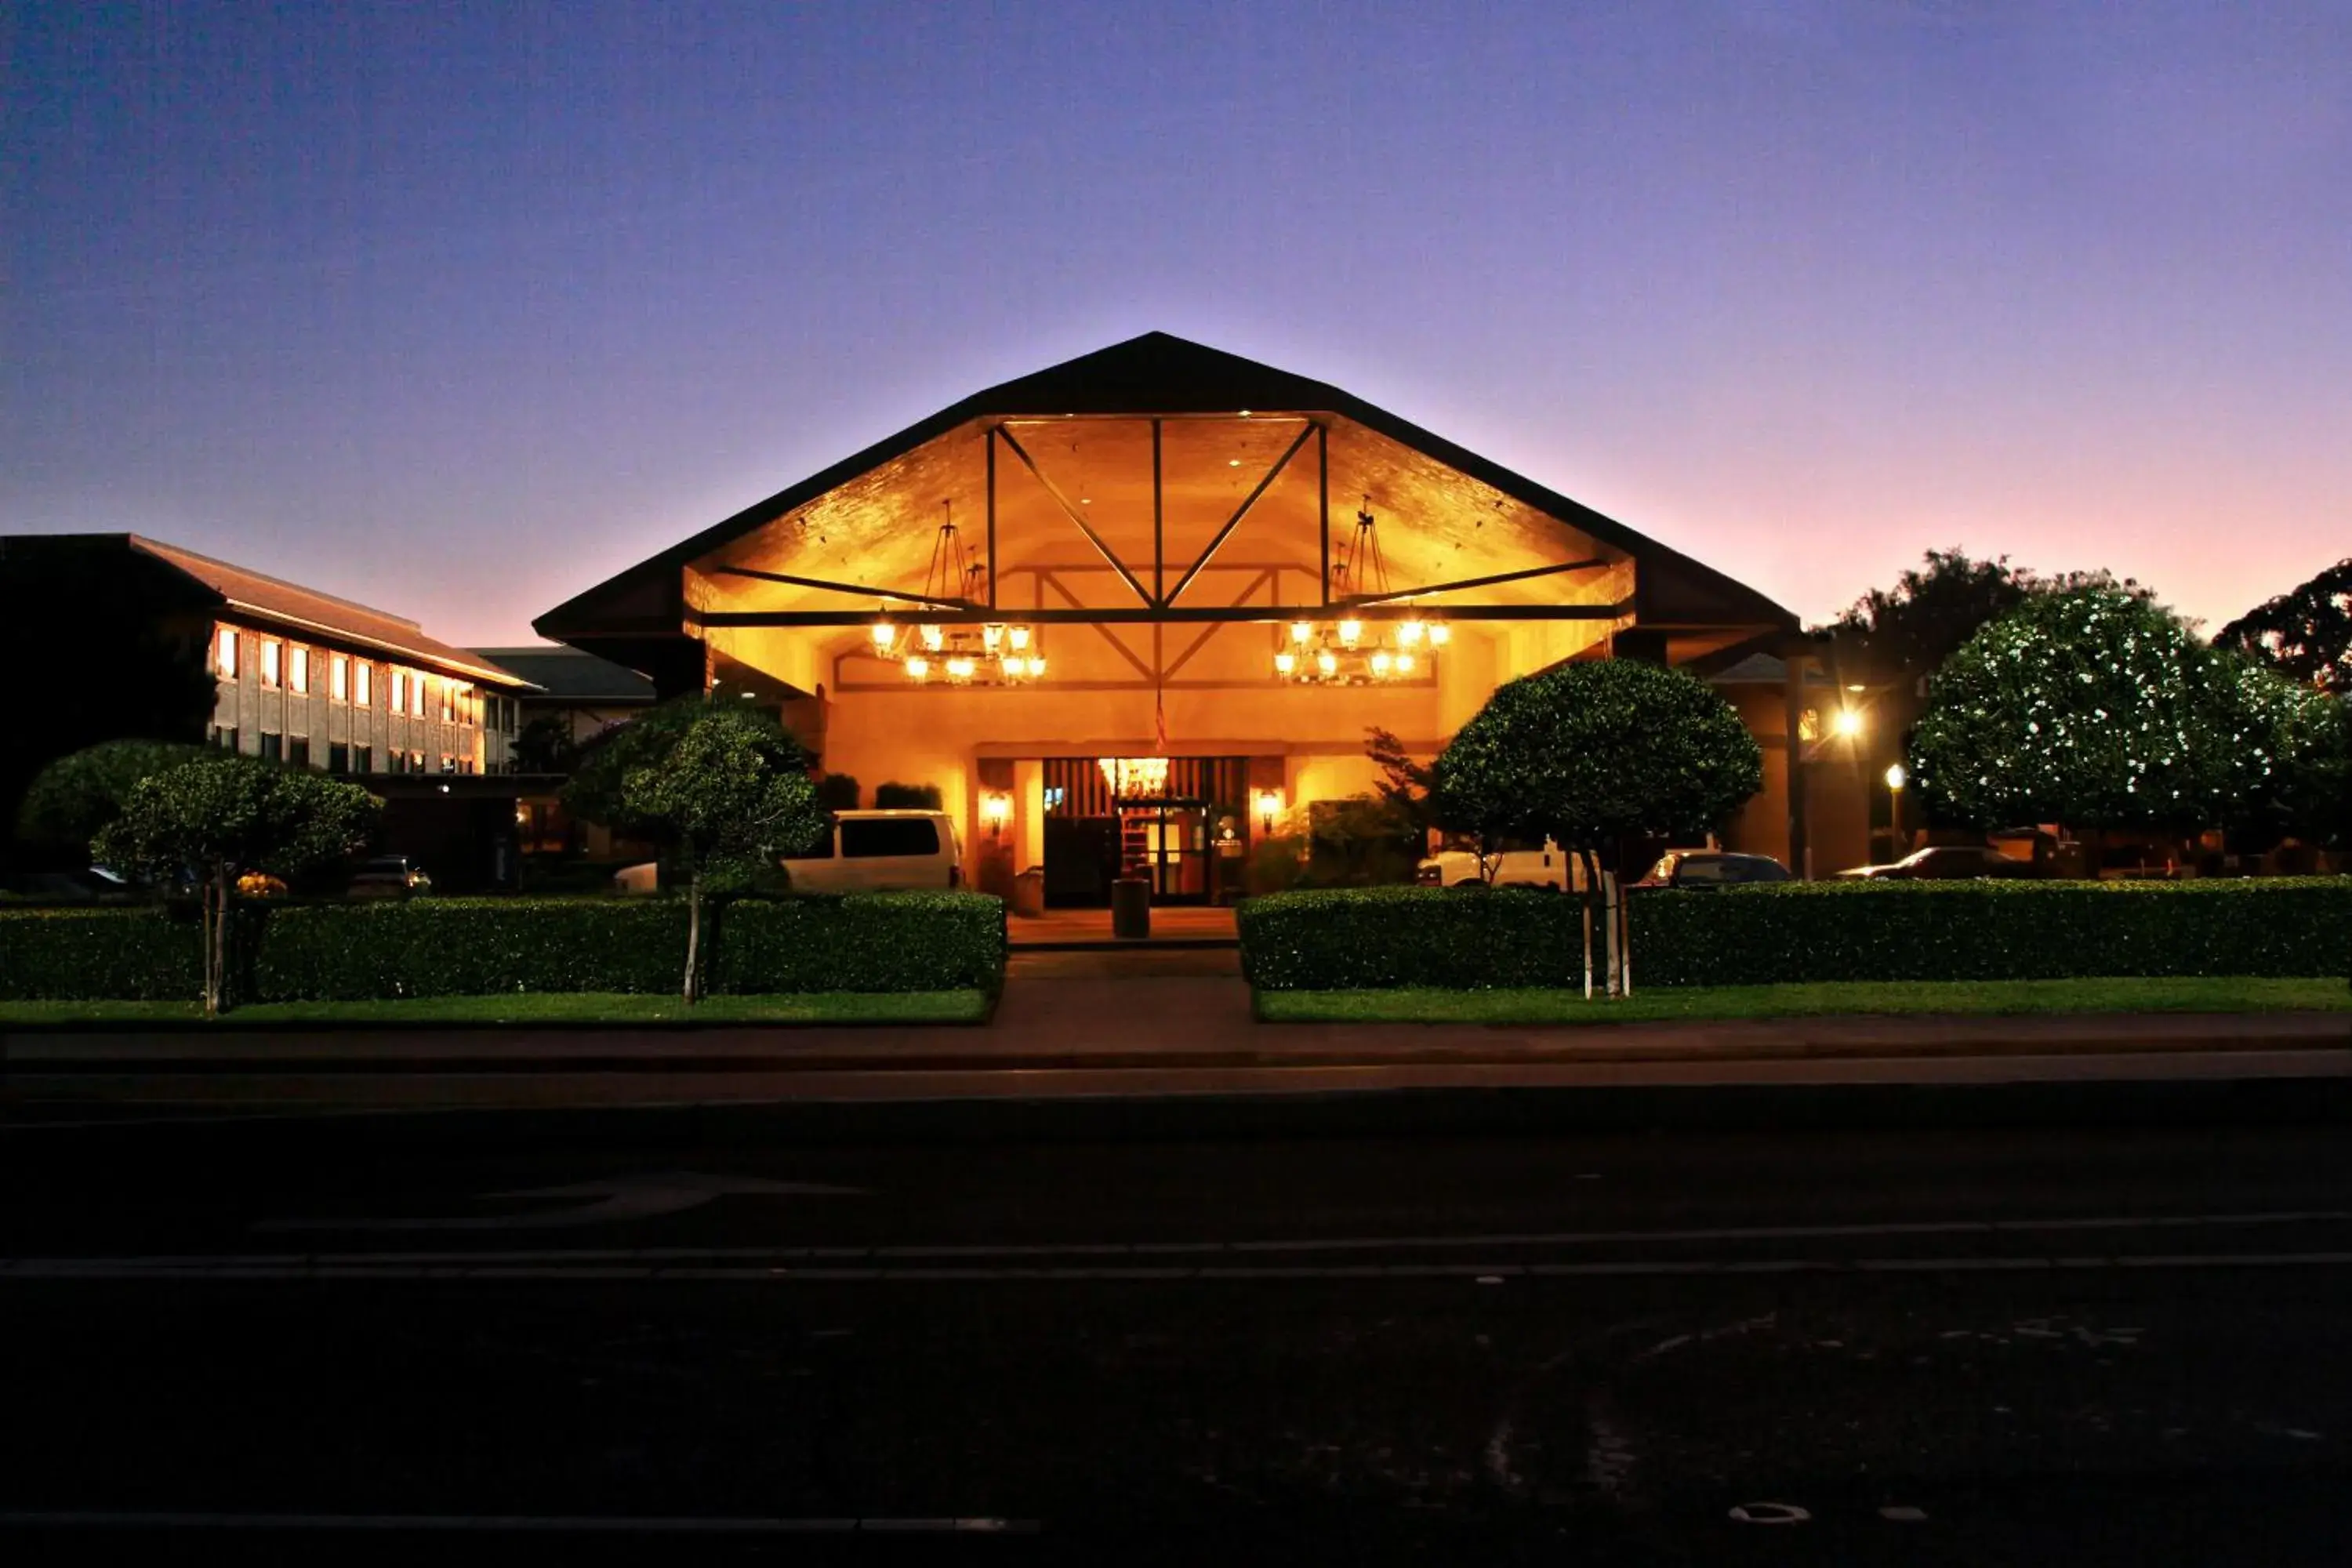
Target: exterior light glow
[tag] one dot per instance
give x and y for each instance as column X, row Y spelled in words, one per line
column 1405, row 664
column 1301, row 632
column 934, row 638
column 884, row 634
column 1440, row 634
column 1269, row 806
column 1408, row 634
column 1285, row 662
column 961, row 668
column 1328, row 662
column 918, row 668
column 991, row 636
column 1036, row 666
column 1848, row 723
column 1350, row 633
column 1381, row 662
column 1895, row 777
column 1018, row 636
column 995, row 809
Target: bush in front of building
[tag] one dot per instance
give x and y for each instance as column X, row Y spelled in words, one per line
column 391, row 948
column 471, row 947
column 861, row 942
column 77, row 954
column 1375, row 937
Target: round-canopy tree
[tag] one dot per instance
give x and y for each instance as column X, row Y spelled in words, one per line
column 1592, row 753
column 2093, row 708
column 722, row 799
column 222, row 815
column 80, row 793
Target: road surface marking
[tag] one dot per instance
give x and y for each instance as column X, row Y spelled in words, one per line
column 605, row 1525
column 325, row 1270
column 615, row 1198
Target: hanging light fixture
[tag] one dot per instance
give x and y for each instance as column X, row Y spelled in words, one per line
column 1133, row 778
column 996, row 653
column 1352, row 651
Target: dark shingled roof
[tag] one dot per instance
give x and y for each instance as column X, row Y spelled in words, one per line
column 566, row 674
column 307, row 609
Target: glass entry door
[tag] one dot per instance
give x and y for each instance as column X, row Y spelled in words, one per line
column 1166, row 843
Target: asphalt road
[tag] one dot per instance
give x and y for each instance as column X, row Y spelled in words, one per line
column 348, row 1342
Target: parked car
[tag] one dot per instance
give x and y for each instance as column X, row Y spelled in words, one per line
column 390, row 876
column 1550, row 866
column 1940, row 862
column 865, row 852
column 1709, row 869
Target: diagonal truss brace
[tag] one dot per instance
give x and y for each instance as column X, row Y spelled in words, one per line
column 1240, row 512
column 1071, row 512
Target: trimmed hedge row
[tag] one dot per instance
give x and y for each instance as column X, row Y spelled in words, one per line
column 469, row 947
column 1377, row 938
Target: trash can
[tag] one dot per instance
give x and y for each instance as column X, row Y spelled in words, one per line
column 1130, row 907
column 1029, row 892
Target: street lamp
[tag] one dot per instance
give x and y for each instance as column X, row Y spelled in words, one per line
column 1895, row 779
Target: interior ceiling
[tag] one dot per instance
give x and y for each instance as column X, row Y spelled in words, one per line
column 1435, row 524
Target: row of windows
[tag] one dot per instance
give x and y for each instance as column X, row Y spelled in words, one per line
column 340, row 758
column 350, row 679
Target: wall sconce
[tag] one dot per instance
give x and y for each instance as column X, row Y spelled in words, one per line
column 1269, row 806
column 1848, row 722
column 995, row 810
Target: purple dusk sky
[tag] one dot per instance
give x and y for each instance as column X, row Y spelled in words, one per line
column 459, row 309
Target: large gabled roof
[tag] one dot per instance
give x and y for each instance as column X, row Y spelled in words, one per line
column 1154, row 373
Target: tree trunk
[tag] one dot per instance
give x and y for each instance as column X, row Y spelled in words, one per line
column 1610, row 901
column 216, row 941
column 1585, row 862
column 693, row 938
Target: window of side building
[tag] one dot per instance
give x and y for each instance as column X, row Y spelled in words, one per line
column 338, row 677
column 224, row 653
column 415, row 696
column 298, row 750
column 272, row 652
column 273, row 747
column 400, row 692
column 363, row 759
column 363, row 685
column 297, row 670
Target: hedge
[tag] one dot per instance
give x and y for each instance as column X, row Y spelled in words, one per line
column 1373, row 938
column 480, row 946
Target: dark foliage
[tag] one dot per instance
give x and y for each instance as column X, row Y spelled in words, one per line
column 1345, row 939
column 2305, row 634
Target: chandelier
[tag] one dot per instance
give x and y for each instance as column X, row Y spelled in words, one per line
column 1351, row 651
column 1133, row 778
column 998, row 652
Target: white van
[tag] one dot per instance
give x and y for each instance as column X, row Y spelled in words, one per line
column 866, row 852
column 881, row 851
column 1550, row 866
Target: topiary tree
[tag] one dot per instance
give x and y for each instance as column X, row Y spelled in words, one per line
column 838, row 792
column 599, row 779
column 2097, row 709
column 222, row 816
column 1592, row 753
column 722, row 803
column 79, row 795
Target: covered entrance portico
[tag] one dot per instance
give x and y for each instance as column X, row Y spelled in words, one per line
column 1211, row 575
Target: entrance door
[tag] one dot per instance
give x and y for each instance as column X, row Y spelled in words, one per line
column 1081, row 858
column 1166, row 843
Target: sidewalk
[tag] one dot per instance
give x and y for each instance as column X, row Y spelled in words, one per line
column 1162, row 1022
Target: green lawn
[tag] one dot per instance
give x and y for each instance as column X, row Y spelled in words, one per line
column 1989, row 996
column 561, row 1007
